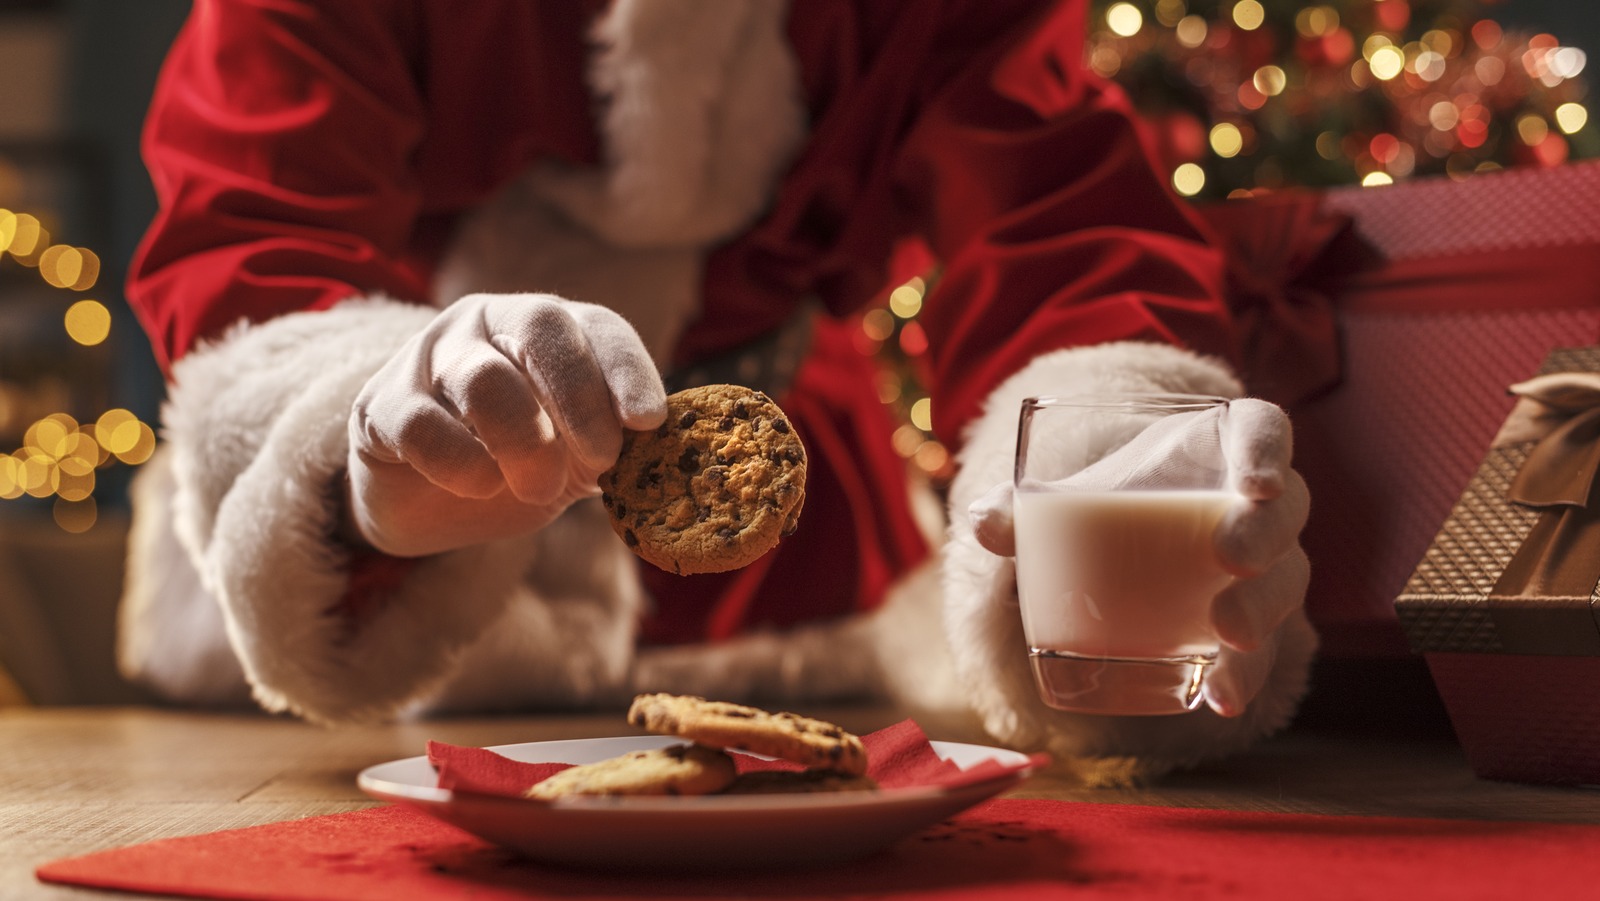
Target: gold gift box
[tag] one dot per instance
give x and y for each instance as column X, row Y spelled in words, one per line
column 1503, row 607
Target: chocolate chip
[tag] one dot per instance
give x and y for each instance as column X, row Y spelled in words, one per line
column 755, row 424
column 630, row 539
column 605, row 500
column 781, row 425
column 662, row 431
column 740, row 411
column 725, row 424
column 727, row 534
column 689, row 463
column 687, row 419
column 622, row 510
column 716, row 475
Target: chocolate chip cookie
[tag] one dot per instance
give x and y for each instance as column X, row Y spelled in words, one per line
column 809, row 742
column 673, row 770
column 712, row 489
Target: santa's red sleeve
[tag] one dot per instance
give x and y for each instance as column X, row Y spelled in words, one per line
column 275, row 280
column 1068, row 266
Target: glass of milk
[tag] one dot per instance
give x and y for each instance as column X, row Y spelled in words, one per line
column 1116, row 570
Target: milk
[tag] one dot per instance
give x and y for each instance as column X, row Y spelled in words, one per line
column 1120, row 573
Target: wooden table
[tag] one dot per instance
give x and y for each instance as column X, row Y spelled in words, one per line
column 75, row 780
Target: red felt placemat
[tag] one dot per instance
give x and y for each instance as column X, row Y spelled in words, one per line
column 1005, row 848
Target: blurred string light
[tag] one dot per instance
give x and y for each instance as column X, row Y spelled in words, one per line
column 60, row 457
column 892, row 333
column 1249, row 97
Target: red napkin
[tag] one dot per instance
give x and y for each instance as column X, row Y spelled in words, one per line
column 897, row 757
column 1002, row 849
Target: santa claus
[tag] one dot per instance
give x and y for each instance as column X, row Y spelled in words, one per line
column 418, row 265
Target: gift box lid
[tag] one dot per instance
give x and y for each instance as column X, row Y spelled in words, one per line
column 1483, row 586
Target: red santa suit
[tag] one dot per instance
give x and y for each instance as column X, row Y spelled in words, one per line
column 721, row 174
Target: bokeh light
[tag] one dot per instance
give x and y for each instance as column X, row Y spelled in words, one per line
column 75, row 516
column 1191, row 31
column 1226, row 140
column 88, row 322
column 1387, row 62
column 905, row 301
column 1249, row 14
column 1571, row 117
column 1188, row 179
column 1124, row 19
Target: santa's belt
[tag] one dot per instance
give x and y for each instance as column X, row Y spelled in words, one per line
column 766, row 363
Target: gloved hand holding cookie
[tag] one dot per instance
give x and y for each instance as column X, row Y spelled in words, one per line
column 714, row 487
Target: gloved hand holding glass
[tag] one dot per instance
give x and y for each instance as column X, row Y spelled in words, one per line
column 1152, row 577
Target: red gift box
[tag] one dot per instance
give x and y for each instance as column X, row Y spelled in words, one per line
column 1438, row 295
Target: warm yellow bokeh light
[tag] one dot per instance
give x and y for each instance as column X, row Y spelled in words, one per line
column 1191, row 31
column 1571, row 117
column 906, row 439
column 49, row 435
column 1373, row 44
column 144, row 445
column 1188, row 179
column 8, row 229
column 75, row 517
column 931, row 456
column 107, row 426
column 1374, row 179
column 1387, row 62
column 905, row 301
column 1226, row 139
column 27, row 237
column 889, row 387
column 1316, row 21
column 10, row 477
column 75, row 268
column 1249, row 14
column 878, row 324
column 1270, row 80
column 1170, row 12
column 1429, row 65
column 81, row 454
column 40, row 476
column 1444, row 115
column 1439, row 41
column 60, row 265
column 88, row 322
column 1532, row 129
column 921, row 414
column 75, row 487
column 1124, row 19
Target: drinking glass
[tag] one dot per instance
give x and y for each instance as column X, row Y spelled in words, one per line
column 1116, row 570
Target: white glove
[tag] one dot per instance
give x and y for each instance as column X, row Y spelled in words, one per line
column 1257, row 540
column 494, row 419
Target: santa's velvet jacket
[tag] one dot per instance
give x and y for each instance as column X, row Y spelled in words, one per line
column 330, row 172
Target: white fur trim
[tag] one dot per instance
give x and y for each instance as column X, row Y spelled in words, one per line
column 703, row 115
column 170, row 634
column 986, row 640
column 257, row 426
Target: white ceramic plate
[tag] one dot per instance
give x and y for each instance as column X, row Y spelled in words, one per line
column 687, row 833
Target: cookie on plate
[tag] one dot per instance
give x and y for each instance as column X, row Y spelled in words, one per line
column 794, row 782
column 673, row 770
column 806, row 741
column 712, row 489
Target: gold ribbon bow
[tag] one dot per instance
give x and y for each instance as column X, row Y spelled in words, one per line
column 1554, row 571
